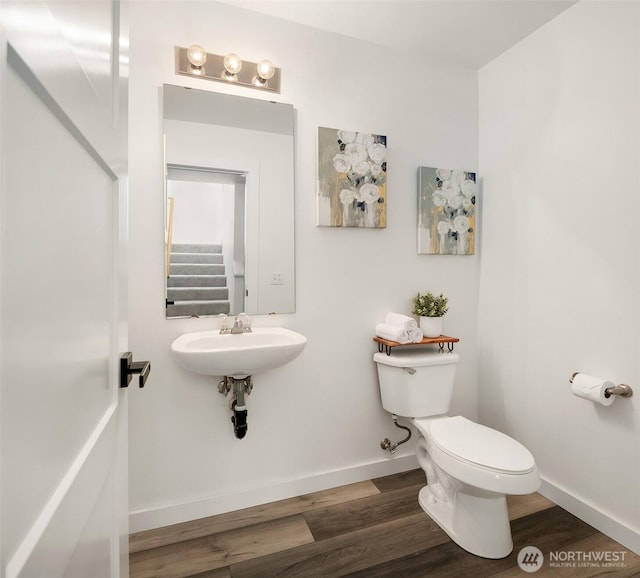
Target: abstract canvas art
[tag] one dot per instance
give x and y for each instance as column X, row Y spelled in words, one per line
column 352, row 179
column 446, row 211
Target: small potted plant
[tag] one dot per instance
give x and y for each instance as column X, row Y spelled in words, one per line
column 431, row 309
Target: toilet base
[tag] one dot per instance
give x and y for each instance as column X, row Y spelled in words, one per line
column 476, row 520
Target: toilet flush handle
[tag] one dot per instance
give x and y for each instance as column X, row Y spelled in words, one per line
column 409, row 370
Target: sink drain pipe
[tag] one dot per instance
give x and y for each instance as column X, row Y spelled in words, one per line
column 240, row 386
column 239, row 417
column 386, row 444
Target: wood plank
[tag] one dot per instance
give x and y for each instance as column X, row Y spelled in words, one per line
column 370, row 529
column 246, row 517
column 219, row 550
column 550, row 528
column 347, row 553
column 446, row 560
column 357, row 514
column 401, row 480
column 425, row 341
column 218, row 573
column 597, row 542
column 385, row 345
column 520, row 506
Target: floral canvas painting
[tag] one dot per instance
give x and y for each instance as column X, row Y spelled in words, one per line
column 446, row 211
column 352, row 179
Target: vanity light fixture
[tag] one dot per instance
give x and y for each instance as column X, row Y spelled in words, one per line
column 197, row 56
column 232, row 65
column 230, row 68
column 264, row 72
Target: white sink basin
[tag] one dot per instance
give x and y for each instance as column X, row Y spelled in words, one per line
column 209, row 353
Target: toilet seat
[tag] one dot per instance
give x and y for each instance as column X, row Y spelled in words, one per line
column 480, row 446
column 479, row 456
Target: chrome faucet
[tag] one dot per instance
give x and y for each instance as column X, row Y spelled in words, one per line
column 242, row 324
column 237, row 327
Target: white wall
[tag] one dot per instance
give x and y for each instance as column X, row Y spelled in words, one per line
column 198, row 215
column 318, row 421
column 560, row 280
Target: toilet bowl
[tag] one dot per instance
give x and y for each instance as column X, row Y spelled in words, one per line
column 470, row 468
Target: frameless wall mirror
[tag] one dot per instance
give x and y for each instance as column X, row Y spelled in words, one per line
column 229, row 204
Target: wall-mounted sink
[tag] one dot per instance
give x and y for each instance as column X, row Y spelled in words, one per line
column 212, row 353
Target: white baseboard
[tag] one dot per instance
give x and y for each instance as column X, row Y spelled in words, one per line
column 168, row 514
column 602, row 522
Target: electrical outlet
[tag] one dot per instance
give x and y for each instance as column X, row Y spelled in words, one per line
column 276, row 279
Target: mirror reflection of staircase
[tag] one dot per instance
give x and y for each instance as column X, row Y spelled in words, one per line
column 197, row 284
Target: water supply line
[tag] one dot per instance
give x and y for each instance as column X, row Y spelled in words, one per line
column 386, row 444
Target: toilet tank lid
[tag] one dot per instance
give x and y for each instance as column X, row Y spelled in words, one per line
column 415, row 358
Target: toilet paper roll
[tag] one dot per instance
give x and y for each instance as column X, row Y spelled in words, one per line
column 592, row 388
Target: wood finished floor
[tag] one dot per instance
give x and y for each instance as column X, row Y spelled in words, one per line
column 368, row 529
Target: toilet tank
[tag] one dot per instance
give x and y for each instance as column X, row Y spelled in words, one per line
column 416, row 384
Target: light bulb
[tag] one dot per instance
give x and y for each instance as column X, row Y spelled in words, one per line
column 197, row 55
column 266, row 69
column 232, row 63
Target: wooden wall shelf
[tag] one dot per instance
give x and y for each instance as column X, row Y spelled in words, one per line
column 386, row 345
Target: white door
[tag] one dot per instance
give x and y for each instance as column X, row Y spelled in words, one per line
column 63, row 483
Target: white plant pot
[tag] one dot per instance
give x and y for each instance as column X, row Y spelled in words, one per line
column 431, row 326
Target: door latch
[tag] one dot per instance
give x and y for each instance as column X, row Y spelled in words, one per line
column 128, row 367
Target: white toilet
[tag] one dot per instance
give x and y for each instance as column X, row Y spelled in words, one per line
column 470, row 468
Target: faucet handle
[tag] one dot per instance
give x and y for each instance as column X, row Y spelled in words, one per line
column 224, row 322
column 244, row 321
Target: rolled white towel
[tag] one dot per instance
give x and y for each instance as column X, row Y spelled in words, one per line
column 415, row 335
column 404, row 321
column 392, row 333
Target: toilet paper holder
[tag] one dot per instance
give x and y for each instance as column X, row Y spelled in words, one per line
column 622, row 389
